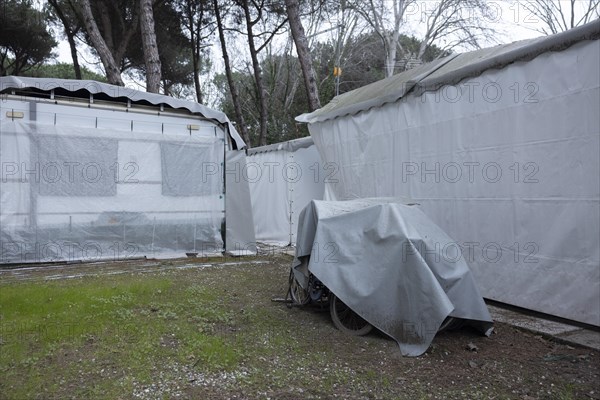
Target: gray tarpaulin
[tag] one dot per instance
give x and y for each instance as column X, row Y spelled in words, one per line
column 512, row 172
column 392, row 265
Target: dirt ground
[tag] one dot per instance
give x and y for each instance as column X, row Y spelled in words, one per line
column 293, row 353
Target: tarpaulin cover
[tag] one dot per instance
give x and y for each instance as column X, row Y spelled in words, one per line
column 507, row 162
column 283, row 179
column 383, row 259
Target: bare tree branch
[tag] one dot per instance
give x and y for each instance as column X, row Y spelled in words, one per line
column 556, row 16
column 376, row 12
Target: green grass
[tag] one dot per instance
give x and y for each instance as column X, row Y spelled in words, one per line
column 566, row 393
column 215, row 333
column 71, row 330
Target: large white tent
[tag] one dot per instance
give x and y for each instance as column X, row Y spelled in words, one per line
column 501, row 148
column 284, row 178
column 92, row 171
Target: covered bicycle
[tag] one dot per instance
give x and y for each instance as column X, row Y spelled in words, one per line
column 377, row 262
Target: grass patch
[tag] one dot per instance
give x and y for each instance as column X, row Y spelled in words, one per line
column 102, row 328
column 213, row 332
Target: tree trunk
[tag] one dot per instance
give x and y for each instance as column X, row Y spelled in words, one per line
column 3, row 71
column 166, row 88
column 151, row 57
column 422, row 49
column 241, row 125
column 374, row 15
column 304, row 57
column 192, row 7
column 195, row 47
column 260, row 90
column 73, row 46
column 70, row 36
column 110, row 66
column 195, row 41
column 107, row 28
column 390, row 59
column 196, row 66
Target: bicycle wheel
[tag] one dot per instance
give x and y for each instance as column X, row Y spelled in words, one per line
column 347, row 320
column 298, row 294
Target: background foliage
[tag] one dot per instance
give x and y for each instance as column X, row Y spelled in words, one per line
column 367, row 40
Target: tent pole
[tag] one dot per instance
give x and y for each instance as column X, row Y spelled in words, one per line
column 224, row 189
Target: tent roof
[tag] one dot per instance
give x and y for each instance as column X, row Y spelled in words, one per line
column 290, row 145
column 447, row 71
column 83, row 88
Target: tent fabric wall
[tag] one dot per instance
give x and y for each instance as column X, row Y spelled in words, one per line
column 239, row 237
column 506, row 162
column 68, row 87
column 86, row 180
column 283, row 178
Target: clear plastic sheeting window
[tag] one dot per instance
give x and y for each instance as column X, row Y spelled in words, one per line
column 186, row 171
column 77, row 166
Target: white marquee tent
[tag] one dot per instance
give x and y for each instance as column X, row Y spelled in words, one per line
column 283, row 177
column 92, row 171
column 500, row 146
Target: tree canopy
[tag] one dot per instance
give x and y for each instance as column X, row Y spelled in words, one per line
column 263, row 62
column 25, row 40
column 63, row 70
